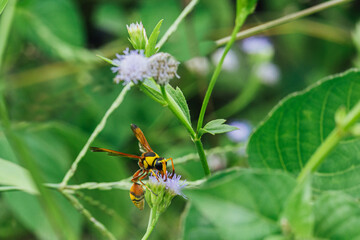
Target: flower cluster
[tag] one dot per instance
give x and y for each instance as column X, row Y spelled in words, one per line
column 162, row 67
column 164, row 188
column 134, row 67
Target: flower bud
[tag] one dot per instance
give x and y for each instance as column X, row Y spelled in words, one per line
column 137, row 35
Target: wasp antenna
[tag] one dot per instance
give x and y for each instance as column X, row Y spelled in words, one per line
column 95, row 149
column 133, row 126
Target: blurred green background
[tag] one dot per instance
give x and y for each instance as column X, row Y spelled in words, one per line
column 57, row 90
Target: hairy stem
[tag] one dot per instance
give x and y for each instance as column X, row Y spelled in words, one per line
column 288, row 18
column 330, row 142
column 98, row 225
column 153, row 218
column 96, row 132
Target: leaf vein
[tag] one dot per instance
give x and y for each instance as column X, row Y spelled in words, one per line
column 277, row 142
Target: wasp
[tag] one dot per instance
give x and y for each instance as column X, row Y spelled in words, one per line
column 148, row 162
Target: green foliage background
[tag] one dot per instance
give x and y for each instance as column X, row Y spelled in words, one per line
column 57, row 90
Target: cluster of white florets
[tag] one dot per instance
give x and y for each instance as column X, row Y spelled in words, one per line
column 134, row 67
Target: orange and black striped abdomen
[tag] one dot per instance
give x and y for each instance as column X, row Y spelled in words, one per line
column 137, row 195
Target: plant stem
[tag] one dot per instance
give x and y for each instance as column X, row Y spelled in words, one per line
column 288, row 18
column 330, row 142
column 96, row 132
column 178, row 113
column 239, row 21
column 175, row 25
column 153, row 218
column 151, row 95
column 202, row 156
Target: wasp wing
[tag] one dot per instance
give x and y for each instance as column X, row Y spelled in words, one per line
column 113, row 153
column 142, row 140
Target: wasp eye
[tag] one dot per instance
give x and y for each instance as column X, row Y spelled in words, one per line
column 158, row 165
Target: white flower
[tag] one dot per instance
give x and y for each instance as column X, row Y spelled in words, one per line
column 268, row 73
column 242, row 134
column 231, row 61
column 163, row 67
column 131, row 67
column 257, row 45
column 216, row 162
column 199, row 65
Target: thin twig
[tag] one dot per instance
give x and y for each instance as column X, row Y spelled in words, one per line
column 96, row 132
column 175, row 25
column 75, row 202
column 288, row 18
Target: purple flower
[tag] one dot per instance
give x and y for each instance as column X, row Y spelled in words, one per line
column 242, row 134
column 268, row 73
column 231, row 61
column 257, row 45
column 131, row 67
column 173, row 185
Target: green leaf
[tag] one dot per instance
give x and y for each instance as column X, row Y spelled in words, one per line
column 27, row 209
column 337, row 216
column 238, row 202
column 243, row 9
column 153, row 90
column 14, row 175
column 216, row 126
column 106, row 60
column 180, row 100
column 247, row 6
column 150, row 46
column 299, row 124
column 298, row 211
column 2, row 5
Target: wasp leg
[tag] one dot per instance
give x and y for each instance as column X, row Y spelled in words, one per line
column 155, row 175
column 140, row 175
column 141, row 178
column 164, row 170
column 173, row 168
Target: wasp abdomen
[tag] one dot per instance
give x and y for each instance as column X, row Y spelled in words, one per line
column 137, row 195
